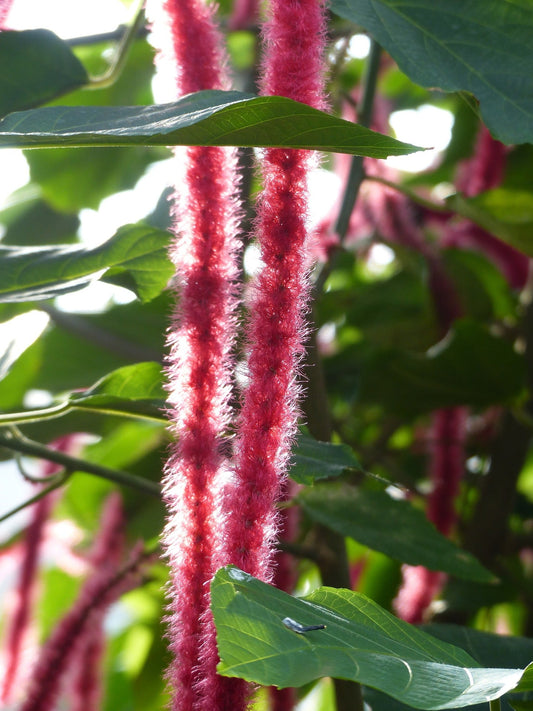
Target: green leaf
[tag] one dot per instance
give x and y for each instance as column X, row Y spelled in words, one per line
column 361, row 642
column 507, row 214
column 207, row 118
column 408, row 535
column 30, row 274
column 483, row 291
column 72, row 179
column 315, row 460
column 33, row 222
column 469, row 366
column 35, row 67
column 482, row 47
column 133, row 389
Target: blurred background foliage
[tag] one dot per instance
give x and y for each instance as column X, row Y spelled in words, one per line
column 380, row 348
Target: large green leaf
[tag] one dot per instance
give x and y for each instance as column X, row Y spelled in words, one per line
column 30, row 274
column 360, row 642
column 33, row 222
column 132, row 390
column 408, row 536
column 505, row 213
column 469, row 367
column 72, row 179
column 203, row 119
column 481, row 46
column 490, row 650
column 35, row 67
column 315, row 460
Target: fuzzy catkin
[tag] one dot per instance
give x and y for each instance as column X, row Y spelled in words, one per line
column 96, row 595
column 292, row 67
column 19, row 622
column 85, row 687
column 200, row 365
column 5, row 7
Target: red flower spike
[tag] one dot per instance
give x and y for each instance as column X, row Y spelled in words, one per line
column 200, row 366
column 420, row 585
column 85, row 692
column 292, row 67
column 5, row 7
column 19, row 621
column 97, row 594
column 245, row 14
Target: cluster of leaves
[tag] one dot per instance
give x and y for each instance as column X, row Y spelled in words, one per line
column 385, row 370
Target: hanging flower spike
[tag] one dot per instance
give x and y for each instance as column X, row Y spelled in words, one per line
column 5, row 7
column 97, row 593
column 484, row 171
column 200, row 365
column 293, row 67
column 85, row 687
column 244, row 15
column 19, row 621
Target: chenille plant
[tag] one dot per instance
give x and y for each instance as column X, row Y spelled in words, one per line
column 297, row 424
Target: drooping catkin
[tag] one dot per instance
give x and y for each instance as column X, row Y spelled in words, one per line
column 200, row 364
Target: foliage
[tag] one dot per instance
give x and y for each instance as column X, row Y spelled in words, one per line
column 384, row 353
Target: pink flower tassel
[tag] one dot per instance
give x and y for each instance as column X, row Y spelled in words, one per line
column 485, row 171
column 85, row 692
column 293, row 67
column 97, row 594
column 18, row 627
column 5, row 7
column 200, row 364
column 19, row 622
column 419, row 585
column 244, row 15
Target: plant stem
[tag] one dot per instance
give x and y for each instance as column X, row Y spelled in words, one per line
column 495, row 705
column 121, row 52
column 50, row 413
column 34, row 449
column 57, row 482
column 356, row 175
column 418, row 199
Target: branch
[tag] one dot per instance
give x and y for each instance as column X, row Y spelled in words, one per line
column 121, row 53
column 418, row 199
column 34, row 449
column 356, row 175
column 364, row 117
column 58, row 481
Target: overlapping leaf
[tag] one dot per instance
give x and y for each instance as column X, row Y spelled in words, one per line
column 360, row 642
column 469, row 367
column 507, row 214
column 407, row 536
column 134, row 390
column 31, row 274
column 320, row 460
column 35, row 67
column 482, row 47
column 207, row 118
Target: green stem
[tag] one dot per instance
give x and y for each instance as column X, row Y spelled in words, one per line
column 34, row 449
column 364, row 117
column 495, row 705
column 435, row 206
column 51, row 413
column 356, row 175
column 58, row 481
column 121, row 52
